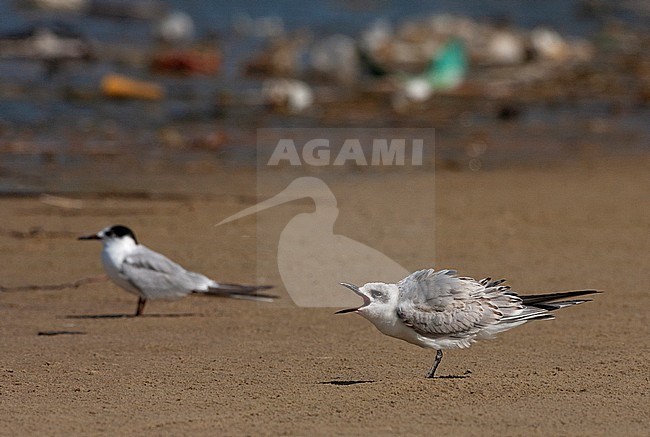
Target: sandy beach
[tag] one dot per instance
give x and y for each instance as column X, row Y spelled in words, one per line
column 518, row 149
column 207, row 366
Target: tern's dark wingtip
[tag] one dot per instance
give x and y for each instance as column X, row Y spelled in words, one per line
column 265, row 287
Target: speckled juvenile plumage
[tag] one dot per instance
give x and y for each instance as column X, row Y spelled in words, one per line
column 439, row 310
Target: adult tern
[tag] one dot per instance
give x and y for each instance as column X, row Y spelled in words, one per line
column 150, row 275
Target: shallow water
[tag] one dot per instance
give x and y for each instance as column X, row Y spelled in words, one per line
column 57, row 124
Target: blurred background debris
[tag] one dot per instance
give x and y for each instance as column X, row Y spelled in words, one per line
column 82, row 80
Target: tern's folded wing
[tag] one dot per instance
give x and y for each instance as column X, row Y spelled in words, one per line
column 146, row 259
column 439, row 290
column 441, row 304
column 156, row 276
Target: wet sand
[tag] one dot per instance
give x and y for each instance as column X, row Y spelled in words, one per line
column 228, row 367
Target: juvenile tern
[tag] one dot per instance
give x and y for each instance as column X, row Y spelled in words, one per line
column 150, row 275
column 439, row 310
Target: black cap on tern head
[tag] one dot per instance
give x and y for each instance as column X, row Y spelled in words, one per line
column 120, row 231
column 115, row 231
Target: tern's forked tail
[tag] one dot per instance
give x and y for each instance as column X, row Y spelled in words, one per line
column 237, row 291
column 550, row 301
column 541, row 307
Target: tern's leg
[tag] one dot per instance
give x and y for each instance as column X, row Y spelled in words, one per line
column 141, row 302
column 435, row 364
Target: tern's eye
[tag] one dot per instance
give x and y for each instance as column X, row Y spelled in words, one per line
column 376, row 293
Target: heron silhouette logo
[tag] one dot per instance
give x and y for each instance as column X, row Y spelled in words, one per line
column 312, row 259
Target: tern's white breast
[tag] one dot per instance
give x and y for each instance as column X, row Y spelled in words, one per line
column 113, row 256
column 388, row 323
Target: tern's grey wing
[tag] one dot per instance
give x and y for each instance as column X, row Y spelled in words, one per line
column 158, row 277
column 440, row 304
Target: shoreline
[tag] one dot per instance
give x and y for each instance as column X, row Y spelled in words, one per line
column 240, row 368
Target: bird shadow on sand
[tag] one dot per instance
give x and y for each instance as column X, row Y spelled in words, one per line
column 57, row 332
column 346, row 382
column 450, row 377
column 127, row 316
